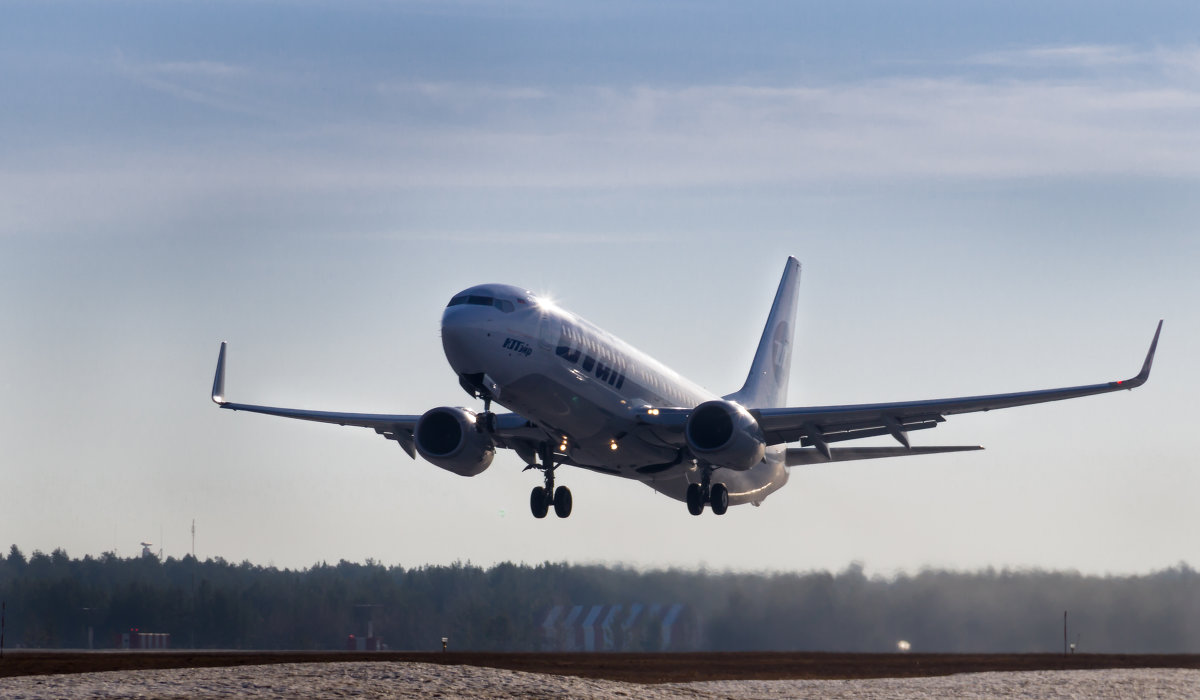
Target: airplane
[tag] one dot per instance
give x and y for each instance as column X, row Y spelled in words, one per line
column 580, row 396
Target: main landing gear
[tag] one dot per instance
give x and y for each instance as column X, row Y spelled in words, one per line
column 542, row 497
column 715, row 495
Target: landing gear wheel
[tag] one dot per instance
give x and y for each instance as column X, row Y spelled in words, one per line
column 538, row 503
column 718, row 496
column 695, row 499
column 562, row 501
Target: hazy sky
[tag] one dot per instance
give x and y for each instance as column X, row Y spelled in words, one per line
column 986, row 197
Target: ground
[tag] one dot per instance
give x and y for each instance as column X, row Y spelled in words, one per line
column 636, row 668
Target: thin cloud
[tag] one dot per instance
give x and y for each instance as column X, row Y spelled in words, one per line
column 1081, row 55
column 519, row 237
column 1186, row 60
column 1110, row 59
column 408, row 136
column 206, row 69
column 215, row 85
column 740, row 134
column 460, row 92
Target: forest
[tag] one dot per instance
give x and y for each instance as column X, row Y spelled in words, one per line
column 50, row 601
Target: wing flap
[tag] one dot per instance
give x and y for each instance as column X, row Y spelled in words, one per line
column 808, row 455
column 378, row 421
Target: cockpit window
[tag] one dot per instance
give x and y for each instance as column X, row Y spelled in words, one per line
column 473, row 299
column 479, row 300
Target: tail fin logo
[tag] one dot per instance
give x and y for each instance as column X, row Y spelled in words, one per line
column 779, row 354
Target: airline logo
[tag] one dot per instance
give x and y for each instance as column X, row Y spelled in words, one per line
column 517, row 346
column 589, row 364
column 780, row 348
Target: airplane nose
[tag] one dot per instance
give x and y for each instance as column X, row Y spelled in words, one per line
column 461, row 341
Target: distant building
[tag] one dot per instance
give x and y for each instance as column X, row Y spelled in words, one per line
column 354, row 643
column 136, row 639
column 632, row 627
column 365, row 639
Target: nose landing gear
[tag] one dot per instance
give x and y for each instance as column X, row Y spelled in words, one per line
column 542, row 497
column 486, row 420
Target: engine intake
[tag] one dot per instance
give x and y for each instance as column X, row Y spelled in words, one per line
column 724, row 434
column 450, row 438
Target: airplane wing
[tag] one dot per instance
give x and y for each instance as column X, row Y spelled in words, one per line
column 817, row 426
column 396, row 427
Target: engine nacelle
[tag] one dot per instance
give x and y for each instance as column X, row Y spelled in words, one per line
column 450, row 438
column 724, row 434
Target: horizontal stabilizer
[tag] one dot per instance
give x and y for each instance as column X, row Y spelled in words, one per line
column 797, row 456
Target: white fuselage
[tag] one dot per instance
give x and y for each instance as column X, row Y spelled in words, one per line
column 585, row 387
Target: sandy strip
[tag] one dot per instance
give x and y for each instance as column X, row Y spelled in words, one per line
column 419, row 680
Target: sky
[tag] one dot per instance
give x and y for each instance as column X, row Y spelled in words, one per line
column 986, row 197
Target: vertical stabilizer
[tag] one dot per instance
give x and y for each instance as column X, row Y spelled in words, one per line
column 766, row 385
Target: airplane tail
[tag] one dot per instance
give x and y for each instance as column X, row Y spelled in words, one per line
column 766, row 386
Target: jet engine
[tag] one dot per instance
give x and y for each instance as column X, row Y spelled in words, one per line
column 450, row 438
column 724, row 434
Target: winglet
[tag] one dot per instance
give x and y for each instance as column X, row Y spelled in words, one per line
column 1142, row 376
column 218, row 391
column 1150, row 357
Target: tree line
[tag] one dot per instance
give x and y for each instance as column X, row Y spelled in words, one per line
column 52, row 599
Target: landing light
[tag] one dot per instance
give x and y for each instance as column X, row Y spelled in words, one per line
column 652, row 412
column 612, row 445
